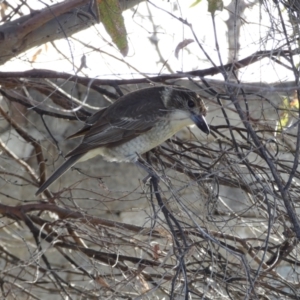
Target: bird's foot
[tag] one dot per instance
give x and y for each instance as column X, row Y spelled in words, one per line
column 159, row 178
column 147, row 179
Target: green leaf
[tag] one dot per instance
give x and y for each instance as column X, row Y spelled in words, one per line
column 111, row 17
column 284, row 115
column 195, row 3
column 288, row 111
column 214, row 5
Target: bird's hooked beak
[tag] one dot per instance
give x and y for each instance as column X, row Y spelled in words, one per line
column 201, row 123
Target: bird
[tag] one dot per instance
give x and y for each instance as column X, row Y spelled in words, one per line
column 134, row 124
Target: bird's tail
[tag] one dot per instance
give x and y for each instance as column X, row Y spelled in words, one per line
column 59, row 172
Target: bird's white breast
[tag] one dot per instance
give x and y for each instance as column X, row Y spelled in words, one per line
column 130, row 150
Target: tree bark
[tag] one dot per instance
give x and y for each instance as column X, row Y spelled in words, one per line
column 51, row 23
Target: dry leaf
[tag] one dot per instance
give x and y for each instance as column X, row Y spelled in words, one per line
column 181, row 45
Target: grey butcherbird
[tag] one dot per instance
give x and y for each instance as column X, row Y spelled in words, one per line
column 134, row 124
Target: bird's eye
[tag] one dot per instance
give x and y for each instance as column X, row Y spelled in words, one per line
column 191, row 104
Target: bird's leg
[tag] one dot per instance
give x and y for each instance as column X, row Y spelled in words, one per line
column 151, row 172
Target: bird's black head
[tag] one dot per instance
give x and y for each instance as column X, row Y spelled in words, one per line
column 188, row 102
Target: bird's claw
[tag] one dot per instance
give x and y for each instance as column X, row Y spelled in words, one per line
column 163, row 178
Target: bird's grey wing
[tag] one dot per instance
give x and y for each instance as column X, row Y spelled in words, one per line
column 88, row 123
column 123, row 121
column 125, row 106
